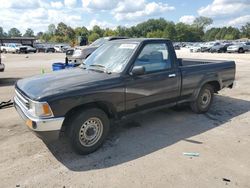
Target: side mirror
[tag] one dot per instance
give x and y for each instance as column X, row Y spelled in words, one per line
column 138, row 70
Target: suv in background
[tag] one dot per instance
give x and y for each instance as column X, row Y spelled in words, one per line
column 44, row 48
column 240, row 47
column 81, row 53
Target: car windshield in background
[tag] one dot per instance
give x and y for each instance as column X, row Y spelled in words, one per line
column 99, row 42
column 111, row 57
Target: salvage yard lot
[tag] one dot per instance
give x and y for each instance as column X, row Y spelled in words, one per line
column 148, row 153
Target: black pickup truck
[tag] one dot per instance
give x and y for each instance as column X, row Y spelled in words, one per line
column 119, row 79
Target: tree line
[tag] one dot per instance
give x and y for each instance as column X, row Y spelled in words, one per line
column 158, row 28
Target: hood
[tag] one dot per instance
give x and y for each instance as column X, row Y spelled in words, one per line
column 59, row 82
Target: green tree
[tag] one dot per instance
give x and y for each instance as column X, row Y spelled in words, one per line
column 51, row 29
column 46, row 37
column 109, row 32
column 150, row 26
column 81, row 32
column 246, row 30
column 92, row 37
column 155, row 34
column 202, row 22
column 2, row 33
column 61, row 29
column 121, row 31
column 169, row 31
column 39, row 34
column 98, row 30
column 14, row 32
column 182, row 32
column 29, row 33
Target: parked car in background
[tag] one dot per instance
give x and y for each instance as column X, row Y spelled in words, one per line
column 177, row 46
column 30, row 49
column 240, row 47
column 207, row 46
column 195, row 48
column 220, row 48
column 120, row 79
column 65, row 48
column 61, row 48
column 1, row 65
column 8, row 48
column 81, row 53
column 46, row 48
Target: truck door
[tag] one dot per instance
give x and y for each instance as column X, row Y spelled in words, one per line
column 160, row 83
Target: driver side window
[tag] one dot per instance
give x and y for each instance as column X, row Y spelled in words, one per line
column 154, row 57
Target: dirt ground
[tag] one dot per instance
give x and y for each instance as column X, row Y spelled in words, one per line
column 148, row 153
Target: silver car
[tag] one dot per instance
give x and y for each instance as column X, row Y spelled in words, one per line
column 240, row 47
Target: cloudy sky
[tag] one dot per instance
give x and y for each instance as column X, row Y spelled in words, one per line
column 37, row 14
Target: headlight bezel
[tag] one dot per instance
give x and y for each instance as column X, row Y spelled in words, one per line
column 40, row 109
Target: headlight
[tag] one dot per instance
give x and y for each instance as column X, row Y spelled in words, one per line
column 40, row 109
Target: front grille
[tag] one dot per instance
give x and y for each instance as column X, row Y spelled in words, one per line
column 23, row 100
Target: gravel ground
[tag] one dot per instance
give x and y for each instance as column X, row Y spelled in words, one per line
column 148, row 153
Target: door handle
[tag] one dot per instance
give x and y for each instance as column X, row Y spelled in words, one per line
column 172, row 75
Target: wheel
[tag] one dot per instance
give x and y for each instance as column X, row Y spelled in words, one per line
column 4, row 51
column 88, row 130
column 241, row 50
column 204, row 100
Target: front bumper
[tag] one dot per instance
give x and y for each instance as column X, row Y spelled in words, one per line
column 45, row 128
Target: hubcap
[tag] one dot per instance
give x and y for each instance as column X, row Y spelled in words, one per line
column 205, row 98
column 90, row 132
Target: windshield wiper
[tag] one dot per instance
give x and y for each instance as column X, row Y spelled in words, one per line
column 100, row 66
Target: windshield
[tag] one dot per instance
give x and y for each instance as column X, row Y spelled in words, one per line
column 110, row 57
column 99, row 42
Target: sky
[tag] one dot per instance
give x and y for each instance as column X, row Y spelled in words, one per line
column 38, row 14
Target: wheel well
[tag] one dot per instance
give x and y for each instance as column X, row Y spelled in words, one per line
column 107, row 108
column 215, row 84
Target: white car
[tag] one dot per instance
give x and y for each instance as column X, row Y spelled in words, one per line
column 195, row 48
column 59, row 47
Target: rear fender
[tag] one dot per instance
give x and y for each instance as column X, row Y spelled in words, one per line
column 207, row 79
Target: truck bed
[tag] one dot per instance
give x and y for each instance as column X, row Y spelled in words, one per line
column 193, row 62
column 194, row 71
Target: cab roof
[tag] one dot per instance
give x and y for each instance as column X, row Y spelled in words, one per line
column 140, row 40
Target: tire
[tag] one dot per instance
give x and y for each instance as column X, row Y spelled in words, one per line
column 87, row 122
column 204, row 100
column 241, row 50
